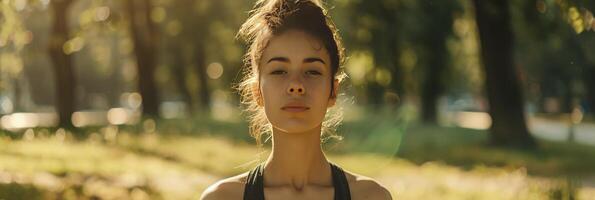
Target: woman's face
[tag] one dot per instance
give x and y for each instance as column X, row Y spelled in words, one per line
column 295, row 82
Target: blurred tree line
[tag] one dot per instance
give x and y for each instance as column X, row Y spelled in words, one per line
column 104, row 54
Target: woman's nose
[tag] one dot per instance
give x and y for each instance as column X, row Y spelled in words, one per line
column 296, row 89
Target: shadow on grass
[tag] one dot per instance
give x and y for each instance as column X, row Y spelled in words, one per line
column 468, row 148
column 20, row 191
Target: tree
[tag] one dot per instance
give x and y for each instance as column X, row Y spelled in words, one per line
column 62, row 63
column 189, row 46
column 437, row 22
column 503, row 86
column 177, row 48
column 144, row 36
column 201, row 68
column 579, row 15
column 553, row 30
column 378, row 28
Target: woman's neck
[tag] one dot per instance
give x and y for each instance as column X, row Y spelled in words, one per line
column 297, row 160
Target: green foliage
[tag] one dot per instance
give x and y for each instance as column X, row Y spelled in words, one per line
column 19, row 191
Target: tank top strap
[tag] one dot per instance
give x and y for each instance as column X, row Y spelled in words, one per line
column 340, row 183
column 254, row 189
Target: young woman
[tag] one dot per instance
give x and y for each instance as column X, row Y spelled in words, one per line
column 292, row 78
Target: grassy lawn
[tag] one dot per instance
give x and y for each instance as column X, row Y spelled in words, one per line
column 175, row 161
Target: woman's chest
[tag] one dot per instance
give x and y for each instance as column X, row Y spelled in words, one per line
column 318, row 193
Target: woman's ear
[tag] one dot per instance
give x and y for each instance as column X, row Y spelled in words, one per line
column 333, row 98
column 256, row 94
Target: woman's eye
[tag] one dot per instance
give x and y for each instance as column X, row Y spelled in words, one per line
column 278, row 72
column 313, row 72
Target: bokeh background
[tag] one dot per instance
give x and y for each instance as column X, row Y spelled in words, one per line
column 134, row 99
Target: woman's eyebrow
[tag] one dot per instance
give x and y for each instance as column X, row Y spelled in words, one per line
column 306, row 60
column 280, row 59
column 313, row 59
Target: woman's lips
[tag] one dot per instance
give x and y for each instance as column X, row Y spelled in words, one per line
column 295, row 108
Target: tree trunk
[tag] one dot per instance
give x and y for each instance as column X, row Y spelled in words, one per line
column 144, row 37
column 439, row 22
column 17, row 105
column 397, row 71
column 62, row 63
column 503, row 85
column 590, row 86
column 201, row 69
column 587, row 71
column 180, row 71
column 432, row 86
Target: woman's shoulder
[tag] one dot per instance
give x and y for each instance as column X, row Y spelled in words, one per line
column 362, row 187
column 229, row 188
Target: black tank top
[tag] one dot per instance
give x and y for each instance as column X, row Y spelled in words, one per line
column 254, row 189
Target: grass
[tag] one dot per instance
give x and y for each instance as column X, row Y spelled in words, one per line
column 178, row 161
column 466, row 148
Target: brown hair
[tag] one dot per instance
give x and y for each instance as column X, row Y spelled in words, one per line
column 273, row 17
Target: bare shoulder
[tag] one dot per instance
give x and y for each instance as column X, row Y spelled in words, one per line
column 363, row 187
column 229, row 188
